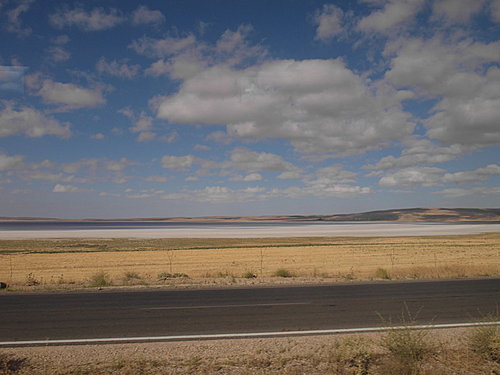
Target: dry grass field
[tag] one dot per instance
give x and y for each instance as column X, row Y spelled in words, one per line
column 100, row 262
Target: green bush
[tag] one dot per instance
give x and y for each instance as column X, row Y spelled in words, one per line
column 283, row 272
column 100, row 279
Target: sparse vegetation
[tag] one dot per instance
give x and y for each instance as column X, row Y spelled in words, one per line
column 168, row 275
column 382, row 273
column 381, row 354
column 100, row 279
column 485, row 341
column 249, row 275
column 283, row 272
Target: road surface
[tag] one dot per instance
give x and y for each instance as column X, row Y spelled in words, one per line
column 105, row 314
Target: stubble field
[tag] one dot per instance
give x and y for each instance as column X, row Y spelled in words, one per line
column 101, row 262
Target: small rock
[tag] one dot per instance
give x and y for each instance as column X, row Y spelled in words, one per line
column 3, row 285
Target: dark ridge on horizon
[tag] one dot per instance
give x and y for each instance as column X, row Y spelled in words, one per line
column 391, row 215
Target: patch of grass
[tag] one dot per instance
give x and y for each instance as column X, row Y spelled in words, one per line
column 100, row 279
column 283, row 272
column 382, row 273
column 249, row 275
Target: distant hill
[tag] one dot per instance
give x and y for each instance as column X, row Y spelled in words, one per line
column 424, row 215
column 436, row 215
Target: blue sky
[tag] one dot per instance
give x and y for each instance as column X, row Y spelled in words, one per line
column 190, row 108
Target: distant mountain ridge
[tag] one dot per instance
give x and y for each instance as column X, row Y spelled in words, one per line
column 436, row 215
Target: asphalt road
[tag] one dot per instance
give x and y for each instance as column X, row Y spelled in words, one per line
column 184, row 312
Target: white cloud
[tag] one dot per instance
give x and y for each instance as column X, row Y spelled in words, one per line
column 10, row 162
column 28, row 121
column 143, row 15
column 14, row 23
column 117, row 69
column 244, row 159
column 456, row 11
column 418, row 152
column 177, row 162
column 319, row 105
column 455, row 73
column 495, row 10
column 458, row 192
column 143, row 124
column 68, row 96
column 95, row 20
column 156, row 179
column 59, row 188
column 479, row 174
column 58, row 54
column 98, row 136
column 248, row 178
column 425, row 176
column 394, row 13
column 329, row 22
column 162, row 47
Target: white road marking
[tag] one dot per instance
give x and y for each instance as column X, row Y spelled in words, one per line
column 238, row 335
column 223, row 306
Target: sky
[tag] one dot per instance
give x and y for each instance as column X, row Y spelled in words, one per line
column 113, row 109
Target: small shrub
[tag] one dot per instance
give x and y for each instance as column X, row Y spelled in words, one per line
column 283, row 272
column 485, row 341
column 408, row 347
column 31, row 280
column 249, row 275
column 99, row 279
column 382, row 273
column 353, row 353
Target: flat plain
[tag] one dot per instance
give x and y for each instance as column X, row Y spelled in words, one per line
column 129, row 261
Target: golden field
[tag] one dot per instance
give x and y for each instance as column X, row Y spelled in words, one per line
column 125, row 261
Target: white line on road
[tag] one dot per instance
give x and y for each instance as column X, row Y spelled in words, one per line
column 237, row 335
column 223, row 306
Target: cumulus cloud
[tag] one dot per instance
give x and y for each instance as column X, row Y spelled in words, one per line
column 14, row 24
column 10, row 162
column 319, row 105
column 117, row 69
column 246, row 160
column 457, row 74
column 30, row 122
column 185, row 56
column 418, row 152
column 456, row 11
column 459, row 192
column 429, row 176
column 394, row 13
column 218, row 194
column 248, row 178
column 95, row 20
column 59, row 188
column 425, row 176
column 479, row 174
column 329, row 22
column 177, row 162
column 58, row 54
column 143, row 16
column 68, row 96
column 495, row 10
